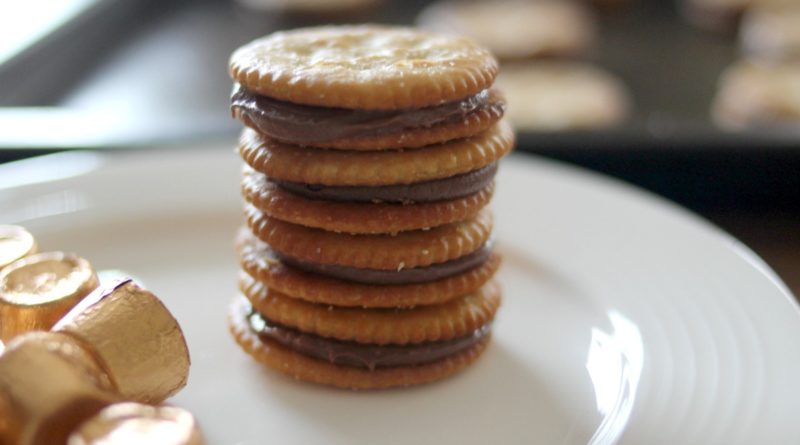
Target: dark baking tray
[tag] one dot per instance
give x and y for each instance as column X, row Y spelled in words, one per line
column 671, row 70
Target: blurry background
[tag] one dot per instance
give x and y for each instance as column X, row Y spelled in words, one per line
column 697, row 100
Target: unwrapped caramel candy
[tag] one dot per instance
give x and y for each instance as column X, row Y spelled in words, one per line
column 131, row 423
column 36, row 291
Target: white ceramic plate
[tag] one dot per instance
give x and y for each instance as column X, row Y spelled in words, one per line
column 626, row 319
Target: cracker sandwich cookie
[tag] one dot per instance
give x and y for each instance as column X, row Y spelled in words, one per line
column 369, row 159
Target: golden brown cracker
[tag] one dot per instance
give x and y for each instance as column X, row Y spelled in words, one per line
column 363, row 67
column 357, row 217
column 291, row 163
column 473, row 123
column 309, row 369
column 456, row 318
column 417, row 248
column 258, row 260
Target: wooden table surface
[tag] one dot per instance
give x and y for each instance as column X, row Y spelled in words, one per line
column 775, row 237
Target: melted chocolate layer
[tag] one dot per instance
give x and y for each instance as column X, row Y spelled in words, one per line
column 402, row 276
column 360, row 355
column 303, row 124
column 429, row 191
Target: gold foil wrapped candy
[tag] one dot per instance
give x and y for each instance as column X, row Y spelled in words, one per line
column 15, row 243
column 118, row 343
column 133, row 423
column 36, row 291
column 139, row 343
column 48, row 385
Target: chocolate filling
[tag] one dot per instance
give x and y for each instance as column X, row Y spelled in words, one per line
column 360, row 355
column 401, row 276
column 304, row 124
column 429, row 191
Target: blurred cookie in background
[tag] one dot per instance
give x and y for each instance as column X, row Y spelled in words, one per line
column 610, row 5
column 772, row 32
column 326, row 10
column 516, row 29
column 723, row 16
column 755, row 94
column 552, row 96
column 719, row 16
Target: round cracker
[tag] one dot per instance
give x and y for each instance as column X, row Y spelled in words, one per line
column 363, row 67
column 457, row 318
column 471, row 124
column 352, row 217
column 291, row 163
column 418, row 248
column 258, row 260
column 300, row 367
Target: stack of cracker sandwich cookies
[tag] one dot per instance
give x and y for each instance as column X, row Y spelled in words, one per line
column 370, row 154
